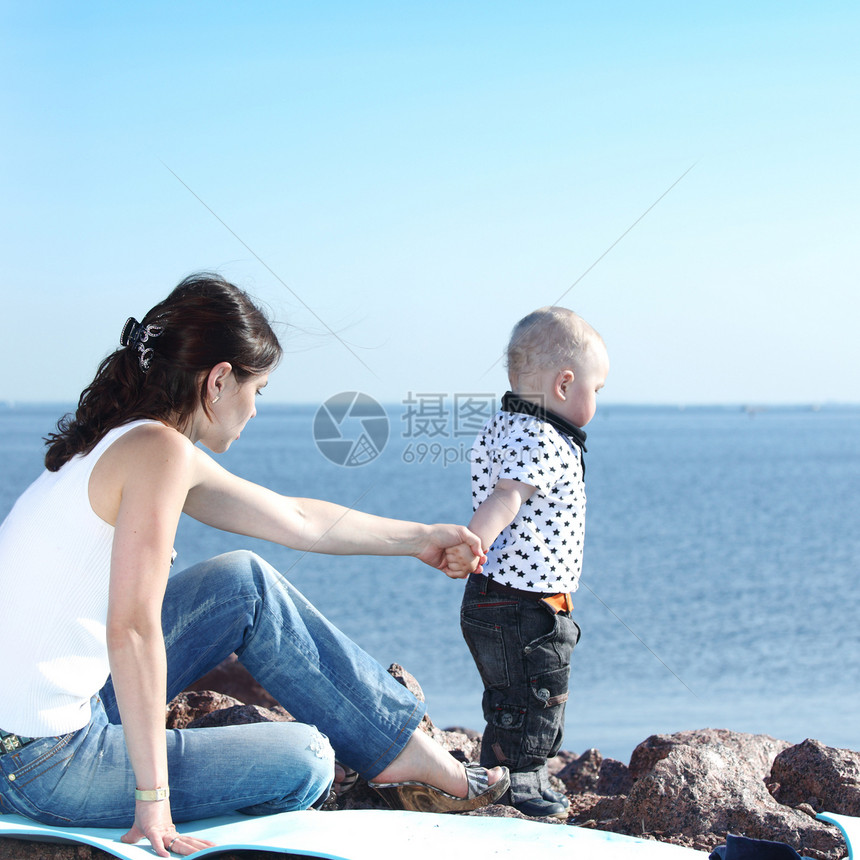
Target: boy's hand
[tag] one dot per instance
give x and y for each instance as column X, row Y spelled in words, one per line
column 461, row 560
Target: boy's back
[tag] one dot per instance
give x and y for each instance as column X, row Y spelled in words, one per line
column 528, row 491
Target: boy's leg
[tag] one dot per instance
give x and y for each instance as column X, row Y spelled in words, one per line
column 547, row 792
column 523, row 652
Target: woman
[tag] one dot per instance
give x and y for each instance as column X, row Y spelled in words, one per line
column 86, row 553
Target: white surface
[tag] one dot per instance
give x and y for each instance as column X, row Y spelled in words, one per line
column 369, row 834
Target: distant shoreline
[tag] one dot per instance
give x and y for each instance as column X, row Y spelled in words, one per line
column 606, row 409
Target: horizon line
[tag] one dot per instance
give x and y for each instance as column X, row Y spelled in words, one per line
column 750, row 405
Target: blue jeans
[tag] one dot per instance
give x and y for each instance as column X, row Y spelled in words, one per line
column 522, row 649
column 343, row 699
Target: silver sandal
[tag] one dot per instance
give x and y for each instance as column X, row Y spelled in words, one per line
column 420, row 797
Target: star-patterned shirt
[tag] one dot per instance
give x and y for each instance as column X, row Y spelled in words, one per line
column 541, row 550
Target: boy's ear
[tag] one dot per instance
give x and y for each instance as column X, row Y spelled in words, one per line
column 562, row 383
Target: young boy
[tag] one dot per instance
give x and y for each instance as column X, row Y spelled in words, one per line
column 529, row 497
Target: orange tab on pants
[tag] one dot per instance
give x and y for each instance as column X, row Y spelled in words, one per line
column 558, row 602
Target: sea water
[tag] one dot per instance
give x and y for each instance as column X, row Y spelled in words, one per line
column 719, row 587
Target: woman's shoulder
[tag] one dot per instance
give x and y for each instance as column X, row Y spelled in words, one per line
column 152, row 441
column 149, row 456
column 153, row 432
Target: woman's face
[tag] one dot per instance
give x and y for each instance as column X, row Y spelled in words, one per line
column 234, row 408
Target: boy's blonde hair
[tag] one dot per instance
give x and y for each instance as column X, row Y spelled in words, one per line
column 548, row 339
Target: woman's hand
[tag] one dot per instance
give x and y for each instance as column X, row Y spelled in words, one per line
column 442, row 537
column 152, row 821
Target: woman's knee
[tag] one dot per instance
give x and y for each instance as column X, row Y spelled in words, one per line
column 242, row 563
column 319, row 762
column 225, row 571
column 306, row 769
column 239, row 572
column 259, row 575
column 308, row 751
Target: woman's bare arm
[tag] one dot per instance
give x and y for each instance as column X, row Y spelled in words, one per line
column 228, row 502
column 154, row 485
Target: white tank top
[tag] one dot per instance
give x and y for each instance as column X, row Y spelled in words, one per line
column 55, row 556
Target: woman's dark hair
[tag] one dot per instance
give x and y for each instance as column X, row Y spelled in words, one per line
column 204, row 321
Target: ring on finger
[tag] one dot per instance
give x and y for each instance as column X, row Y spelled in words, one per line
column 170, row 844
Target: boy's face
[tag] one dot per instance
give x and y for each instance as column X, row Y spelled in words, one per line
column 590, row 374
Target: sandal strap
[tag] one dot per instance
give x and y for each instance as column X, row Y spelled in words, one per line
column 477, row 779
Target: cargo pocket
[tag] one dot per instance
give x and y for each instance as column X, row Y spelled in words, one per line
column 545, row 719
column 509, row 717
column 505, row 731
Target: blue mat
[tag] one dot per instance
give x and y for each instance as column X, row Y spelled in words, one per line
column 372, row 834
column 848, row 824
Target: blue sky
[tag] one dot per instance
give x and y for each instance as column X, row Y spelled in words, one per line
column 421, row 175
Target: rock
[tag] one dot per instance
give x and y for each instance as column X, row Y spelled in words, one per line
column 407, row 679
column 502, row 811
column 189, row 706
column 581, row 775
column 614, row 778
column 560, row 761
column 460, row 745
column 17, row 849
column 826, row 779
column 593, row 774
column 701, row 785
column 689, row 788
column 605, row 812
column 240, row 715
column 233, row 679
column 464, row 745
column 470, row 733
column 361, row 796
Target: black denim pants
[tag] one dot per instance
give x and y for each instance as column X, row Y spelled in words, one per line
column 522, row 649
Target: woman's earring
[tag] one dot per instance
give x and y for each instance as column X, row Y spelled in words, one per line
column 216, row 399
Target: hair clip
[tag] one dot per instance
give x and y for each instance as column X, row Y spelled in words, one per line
column 136, row 335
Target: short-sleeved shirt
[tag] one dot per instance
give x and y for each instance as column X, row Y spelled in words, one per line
column 541, row 550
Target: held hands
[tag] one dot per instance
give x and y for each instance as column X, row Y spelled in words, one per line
column 460, row 561
column 153, row 821
column 452, row 549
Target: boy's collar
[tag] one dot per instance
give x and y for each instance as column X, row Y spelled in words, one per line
column 512, row 403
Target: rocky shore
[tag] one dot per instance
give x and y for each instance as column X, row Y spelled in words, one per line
column 690, row 788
